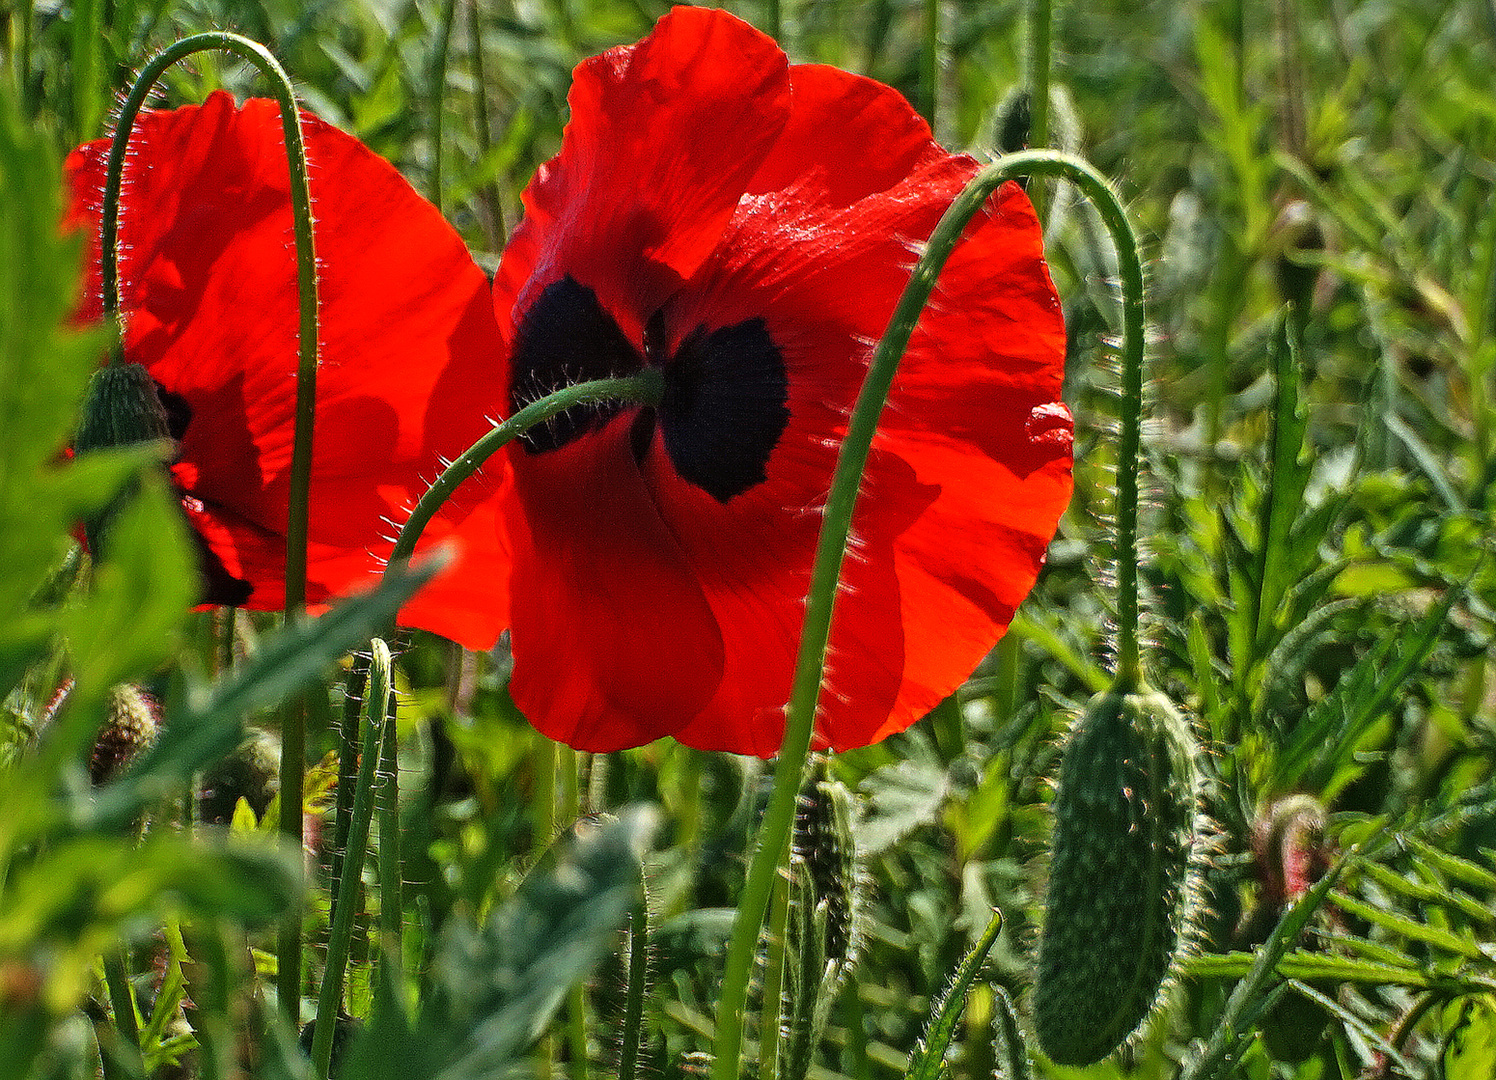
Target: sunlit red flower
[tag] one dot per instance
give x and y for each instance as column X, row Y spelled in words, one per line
column 207, row 265
column 746, row 226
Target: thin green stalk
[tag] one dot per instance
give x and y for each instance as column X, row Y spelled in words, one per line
column 27, row 16
column 568, row 764
column 543, row 809
column 121, row 998
column 330, row 998
column 576, row 1032
column 929, row 62
column 349, row 739
column 831, row 548
column 771, row 1014
column 1041, row 60
column 645, row 387
column 391, row 886
column 88, row 83
column 855, row 1062
column 293, row 733
column 494, row 227
column 633, row 1004
column 438, row 93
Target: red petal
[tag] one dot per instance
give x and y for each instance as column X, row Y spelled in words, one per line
column 961, row 497
column 848, row 137
column 663, row 139
column 614, row 645
column 407, row 338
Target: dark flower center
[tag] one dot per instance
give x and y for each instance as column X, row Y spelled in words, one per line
column 725, row 404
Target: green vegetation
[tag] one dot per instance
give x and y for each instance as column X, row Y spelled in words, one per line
column 1314, row 186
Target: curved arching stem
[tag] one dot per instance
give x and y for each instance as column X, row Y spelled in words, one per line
column 293, row 735
column 774, row 833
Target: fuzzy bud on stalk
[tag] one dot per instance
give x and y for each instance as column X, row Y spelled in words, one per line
column 1125, row 876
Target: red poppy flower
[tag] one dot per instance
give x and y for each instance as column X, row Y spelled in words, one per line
column 208, row 269
column 747, row 226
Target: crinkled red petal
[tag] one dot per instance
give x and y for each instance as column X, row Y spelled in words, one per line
column 613, row 642
column 663, row 139
column 407, row 343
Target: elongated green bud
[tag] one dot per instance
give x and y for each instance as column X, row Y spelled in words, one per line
column 1124, row 876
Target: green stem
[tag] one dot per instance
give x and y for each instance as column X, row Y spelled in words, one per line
column 771, row 1013
column 121, row 998
column 645, row 387
column 391, row 886
column 1041, row 58
column 438, row 94
column 293, row 733
column 494, row 227
column 633, row 1006
column 27, row 16
column 331, row 995
column 930, row 61
column 831, row 548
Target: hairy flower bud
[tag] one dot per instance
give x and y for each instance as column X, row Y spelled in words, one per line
column 1127, row 856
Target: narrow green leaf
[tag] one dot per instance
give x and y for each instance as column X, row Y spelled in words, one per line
column 1287, row 479
column 1425, row 893
column 1308, row 966
column 1460, row 869
column 210, row 725
column 1411, row 929
column 928, row 1060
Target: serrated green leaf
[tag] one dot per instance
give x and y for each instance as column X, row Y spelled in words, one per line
column 900, row 798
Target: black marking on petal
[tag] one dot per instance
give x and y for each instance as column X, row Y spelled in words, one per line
column 641, row 434
column 566, row 337
column 725, row 407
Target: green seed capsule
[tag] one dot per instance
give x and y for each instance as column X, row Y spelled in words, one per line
column 1122, row 880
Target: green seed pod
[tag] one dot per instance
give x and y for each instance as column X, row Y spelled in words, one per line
column 1124, row 875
